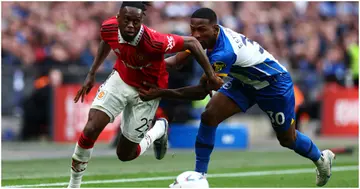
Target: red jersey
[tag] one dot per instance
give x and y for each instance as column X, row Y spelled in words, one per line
column 143, row 58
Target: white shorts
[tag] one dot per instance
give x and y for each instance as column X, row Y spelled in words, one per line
column 115, row 96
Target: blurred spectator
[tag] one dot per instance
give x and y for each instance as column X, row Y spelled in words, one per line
column 37, row 107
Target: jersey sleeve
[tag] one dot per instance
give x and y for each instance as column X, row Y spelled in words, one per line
column 109, row 30
column 222, row 63
column 170, row 43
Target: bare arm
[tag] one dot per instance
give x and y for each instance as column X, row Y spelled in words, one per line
column 102, row 53
column 196, row 49
column 177, row 61
column 197, row 92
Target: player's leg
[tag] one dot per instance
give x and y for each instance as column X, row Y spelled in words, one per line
column 278, row 102
column 96, row 123
column 228, row 101
column 128, row 150
column 106, row 106
column 136, row 137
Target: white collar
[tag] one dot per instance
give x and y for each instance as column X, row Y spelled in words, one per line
column 135, row 41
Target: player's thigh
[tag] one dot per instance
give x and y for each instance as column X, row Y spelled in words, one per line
column 278, row 102
column 111, row 96
column 107, row 104
column 230, row 99
column 137, row 119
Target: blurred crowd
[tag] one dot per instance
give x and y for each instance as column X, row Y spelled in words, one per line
column 52, row 32
column 313, row 37
column 316, row 41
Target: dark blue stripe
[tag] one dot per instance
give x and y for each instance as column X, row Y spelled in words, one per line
column 201, row 145
column 251, row 73
column 271, row 67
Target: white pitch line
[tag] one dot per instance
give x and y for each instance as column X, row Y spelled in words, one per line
column 239, row 174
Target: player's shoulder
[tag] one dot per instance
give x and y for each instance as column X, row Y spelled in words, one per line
column 221, row 56
column 109, row 30
column 228, row 31
column 151, row 39
column 161, row 42
column 110, row 23
column 219, row 60
column 153, row 35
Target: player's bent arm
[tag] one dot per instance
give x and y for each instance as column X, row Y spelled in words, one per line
column 190, row 43
column 103, row 51
column 177, row 61
column 197, row 92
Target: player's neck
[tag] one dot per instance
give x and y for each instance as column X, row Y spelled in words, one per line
column 212, row 45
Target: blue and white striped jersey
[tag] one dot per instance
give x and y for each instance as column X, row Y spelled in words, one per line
column 243, row 59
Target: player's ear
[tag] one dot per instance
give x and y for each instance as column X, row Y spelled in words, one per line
column 216, row 29
column 118, row 18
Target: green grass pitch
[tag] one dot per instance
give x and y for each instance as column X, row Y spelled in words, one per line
column 227, row 169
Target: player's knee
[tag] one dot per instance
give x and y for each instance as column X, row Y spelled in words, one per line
column 208, row 117
column 286, row 141
column 122, row 156
column 95, row 124
column 92, row 129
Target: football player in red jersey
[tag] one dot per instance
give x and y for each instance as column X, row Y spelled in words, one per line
column 140, row 57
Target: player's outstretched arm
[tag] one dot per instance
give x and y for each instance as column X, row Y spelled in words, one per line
column 197, row 92
column 177, row 61
column 196, row 49
column 103, row 52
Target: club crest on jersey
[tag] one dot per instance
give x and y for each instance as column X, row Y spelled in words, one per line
column 218, row 66
column 101, row 95
column 140, row 57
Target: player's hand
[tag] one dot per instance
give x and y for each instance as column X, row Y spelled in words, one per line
column 86, row 88
column 215, row 82
column 206, row 83
column 152, row 93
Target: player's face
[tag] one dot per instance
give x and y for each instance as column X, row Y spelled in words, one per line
column 130, row 20
column 203, row 31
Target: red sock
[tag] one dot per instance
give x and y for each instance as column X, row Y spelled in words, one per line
column 85, row 142
column 138, row 150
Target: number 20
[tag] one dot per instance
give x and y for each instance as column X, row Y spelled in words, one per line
column 279, row 117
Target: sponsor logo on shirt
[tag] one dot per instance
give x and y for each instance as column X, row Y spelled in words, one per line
column 135, row 67
column 171, row 43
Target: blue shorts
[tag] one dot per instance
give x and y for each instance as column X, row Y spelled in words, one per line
column 277, row 99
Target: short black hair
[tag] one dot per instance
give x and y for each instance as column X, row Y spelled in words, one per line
column 205, row 13
column 136, row 4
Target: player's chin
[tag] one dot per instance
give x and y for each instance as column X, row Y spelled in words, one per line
column 130, row 33
column 129, row 37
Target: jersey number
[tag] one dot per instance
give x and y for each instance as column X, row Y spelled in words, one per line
column 244, row 39
column 146, row 123
column 279, row 117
